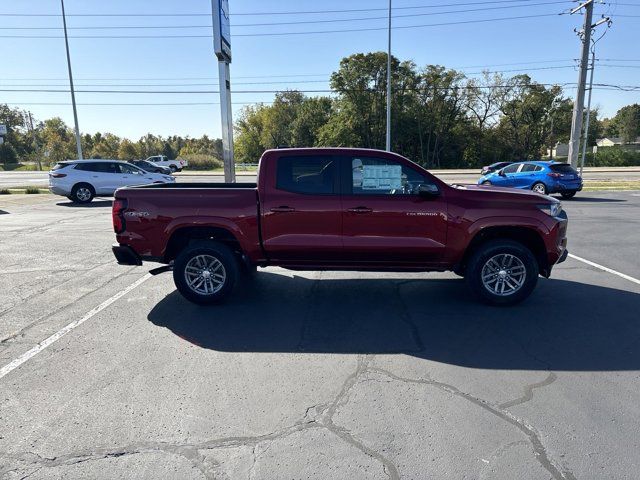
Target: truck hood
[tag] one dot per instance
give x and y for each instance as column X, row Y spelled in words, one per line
column 506, row 194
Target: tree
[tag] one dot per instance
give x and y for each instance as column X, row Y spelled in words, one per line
column 530, row 111
column 8, row 155
column 127, row 150
column 58, row 140
column 625, row 123
column 106, row 146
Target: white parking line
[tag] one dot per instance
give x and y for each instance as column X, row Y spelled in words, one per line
column 76, row 323
column 606, row 269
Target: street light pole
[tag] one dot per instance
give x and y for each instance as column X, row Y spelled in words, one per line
column 73, row 94
column 389, row 83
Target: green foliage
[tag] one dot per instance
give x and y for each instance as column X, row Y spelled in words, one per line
column 625, row 123
column 613, row 157
column 5, row 191
column 202, row 161
column 8, row 155
column 32, row 190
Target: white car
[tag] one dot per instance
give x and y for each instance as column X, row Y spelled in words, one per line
column 163, row 161
column 81, row 180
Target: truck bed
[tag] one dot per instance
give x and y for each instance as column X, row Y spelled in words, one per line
column 156, row 212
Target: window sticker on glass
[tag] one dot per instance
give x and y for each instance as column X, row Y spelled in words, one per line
column 381, row 177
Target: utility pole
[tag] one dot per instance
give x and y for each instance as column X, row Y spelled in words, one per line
column 35, row 143
column 586, row 123
column 73, row 93
column 606, row 20
column 389, row 82
column 578, row 106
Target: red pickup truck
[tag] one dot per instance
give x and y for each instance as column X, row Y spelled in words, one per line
column 340, row 209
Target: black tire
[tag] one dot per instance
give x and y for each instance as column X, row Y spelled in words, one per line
column 491, row 250
column 82, row 193
column 173, row 168
column 206, row 249
column 541, row 186
column 568, row 195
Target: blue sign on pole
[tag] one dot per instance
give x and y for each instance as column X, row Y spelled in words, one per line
column 221, row 29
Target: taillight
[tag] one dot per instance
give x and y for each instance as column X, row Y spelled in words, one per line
column 58, row 175
column 117, row 214
column 554, row 175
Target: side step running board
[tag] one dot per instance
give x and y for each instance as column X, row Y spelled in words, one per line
column 162, row 269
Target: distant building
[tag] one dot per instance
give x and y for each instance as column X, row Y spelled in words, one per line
column 559, row 150
column 613, row 141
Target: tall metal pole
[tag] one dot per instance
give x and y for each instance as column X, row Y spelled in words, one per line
column 578, row 106
column 586, row 123
column 389, row 83
column 227, row 121
column 73, row 94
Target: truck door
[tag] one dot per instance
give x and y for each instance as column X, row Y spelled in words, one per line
column 384, row 217
column 301, row 209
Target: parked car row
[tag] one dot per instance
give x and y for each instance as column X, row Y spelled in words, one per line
column 541, row 177
column 82, row 180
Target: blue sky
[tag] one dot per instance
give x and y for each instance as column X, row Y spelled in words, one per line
column 272, row 62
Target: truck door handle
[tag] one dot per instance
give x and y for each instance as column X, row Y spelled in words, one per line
column 283, row 209
column 360, row 210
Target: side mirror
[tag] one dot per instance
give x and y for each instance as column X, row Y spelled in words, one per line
column 428, row 190
column 501, row 173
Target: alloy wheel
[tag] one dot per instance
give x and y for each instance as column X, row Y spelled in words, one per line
column 205, row 274
column 503, row 274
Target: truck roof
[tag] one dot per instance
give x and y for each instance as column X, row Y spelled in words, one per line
column 334, row 150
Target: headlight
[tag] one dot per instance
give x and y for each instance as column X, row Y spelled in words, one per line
column 169, row 178
column 551, row 209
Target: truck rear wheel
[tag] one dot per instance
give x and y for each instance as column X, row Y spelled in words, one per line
column 205, row 272
column 502, row 272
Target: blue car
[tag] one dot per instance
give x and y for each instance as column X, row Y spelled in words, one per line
column 541, row 177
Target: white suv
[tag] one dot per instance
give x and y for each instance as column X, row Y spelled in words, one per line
column 81, row 180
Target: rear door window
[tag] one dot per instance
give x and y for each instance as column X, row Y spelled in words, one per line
column 528, row 167
column 311, row 175
column 562, row 168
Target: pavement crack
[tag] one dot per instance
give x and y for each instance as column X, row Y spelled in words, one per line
column 496, row 455
column 539, row 449
column 528, row 391
column 341, row 399
column 405, row 317
column 529, row 388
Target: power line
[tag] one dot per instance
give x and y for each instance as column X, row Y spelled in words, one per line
column 458, row 87
column 270, row 34
column 297, row 12
column 303, row 22
column 266, row 83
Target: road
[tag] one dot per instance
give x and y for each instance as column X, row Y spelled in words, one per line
column 40, row 179
column 313, row 375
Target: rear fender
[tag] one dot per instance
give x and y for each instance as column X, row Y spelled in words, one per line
column 246, row 244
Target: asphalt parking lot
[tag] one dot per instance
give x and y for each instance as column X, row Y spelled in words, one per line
column 314, row 374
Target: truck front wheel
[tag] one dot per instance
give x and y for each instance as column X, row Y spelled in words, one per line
column 502, row 272
column 205, row 272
